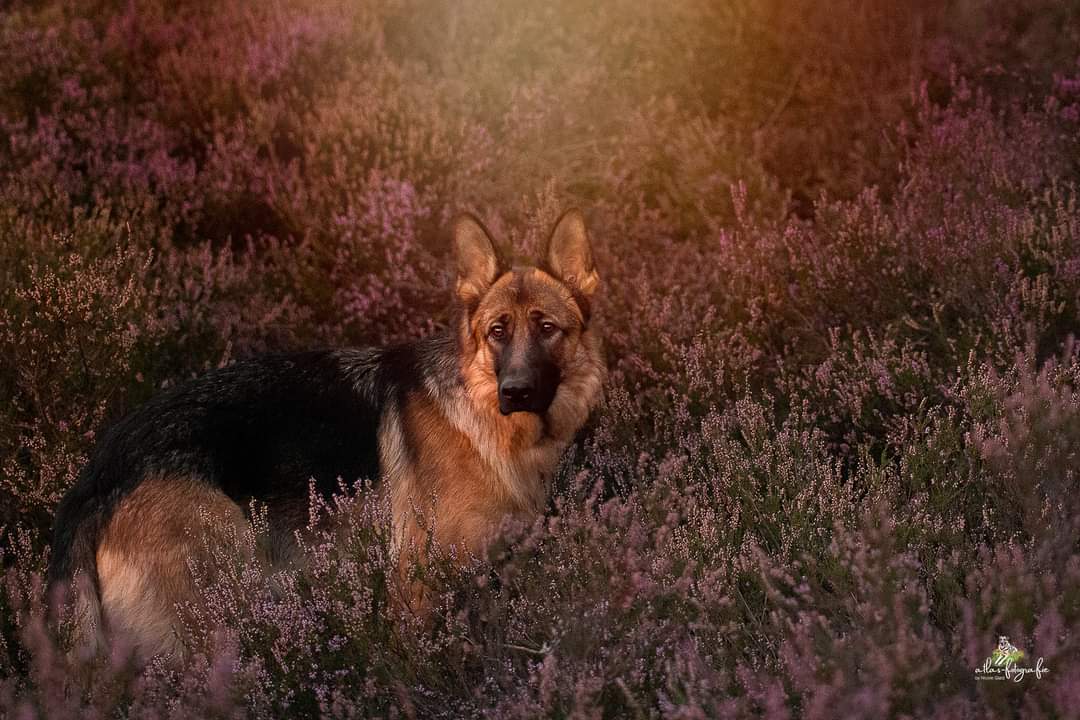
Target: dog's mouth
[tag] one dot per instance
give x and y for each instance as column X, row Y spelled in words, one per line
column 511, row 407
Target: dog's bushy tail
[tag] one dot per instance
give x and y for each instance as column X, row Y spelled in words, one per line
column 72, row 578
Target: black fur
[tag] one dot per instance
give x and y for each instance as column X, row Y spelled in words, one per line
column 531, row 367
column 258, row 429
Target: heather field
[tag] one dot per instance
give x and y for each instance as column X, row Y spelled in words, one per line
column 838, row 458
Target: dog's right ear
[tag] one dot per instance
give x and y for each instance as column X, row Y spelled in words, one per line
column 477, row 260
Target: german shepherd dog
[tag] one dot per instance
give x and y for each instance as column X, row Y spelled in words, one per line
column 476, row 416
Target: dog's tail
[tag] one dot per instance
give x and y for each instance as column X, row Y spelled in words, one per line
column 72, row 578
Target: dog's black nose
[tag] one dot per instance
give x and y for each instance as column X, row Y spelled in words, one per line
column 527, row 391
column 517, row 393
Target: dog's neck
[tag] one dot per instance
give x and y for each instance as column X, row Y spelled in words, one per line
column 522, row 449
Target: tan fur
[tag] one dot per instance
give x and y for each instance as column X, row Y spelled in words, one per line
column 469, row 465
column 142, row 557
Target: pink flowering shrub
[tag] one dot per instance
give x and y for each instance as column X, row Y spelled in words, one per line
column 840, row 252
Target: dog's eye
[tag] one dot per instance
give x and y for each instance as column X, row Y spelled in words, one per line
column 497, row 332
column 548, row 328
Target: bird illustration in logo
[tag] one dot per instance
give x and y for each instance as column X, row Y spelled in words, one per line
column 1006, row 653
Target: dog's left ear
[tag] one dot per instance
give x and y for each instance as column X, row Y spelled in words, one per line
column 569, row 253
column 477, row 260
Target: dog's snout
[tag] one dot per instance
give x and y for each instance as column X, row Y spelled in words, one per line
column 517, row 390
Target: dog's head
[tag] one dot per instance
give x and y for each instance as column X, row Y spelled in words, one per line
column 525, row 325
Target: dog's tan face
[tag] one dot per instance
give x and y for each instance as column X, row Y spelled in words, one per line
column 525, row 324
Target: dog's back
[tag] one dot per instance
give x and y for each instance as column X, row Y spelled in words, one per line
column 258, row 430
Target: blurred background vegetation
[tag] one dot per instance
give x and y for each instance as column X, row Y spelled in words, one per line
column 839, row 243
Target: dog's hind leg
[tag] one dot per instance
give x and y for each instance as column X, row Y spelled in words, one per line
column 143, row 553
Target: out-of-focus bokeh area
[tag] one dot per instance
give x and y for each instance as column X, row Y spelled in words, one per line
column 840, row 247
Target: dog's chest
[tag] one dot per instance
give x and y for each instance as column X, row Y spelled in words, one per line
column 463, row 477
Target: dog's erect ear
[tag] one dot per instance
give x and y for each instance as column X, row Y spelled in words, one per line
column 569, row 254
column 477, row 261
